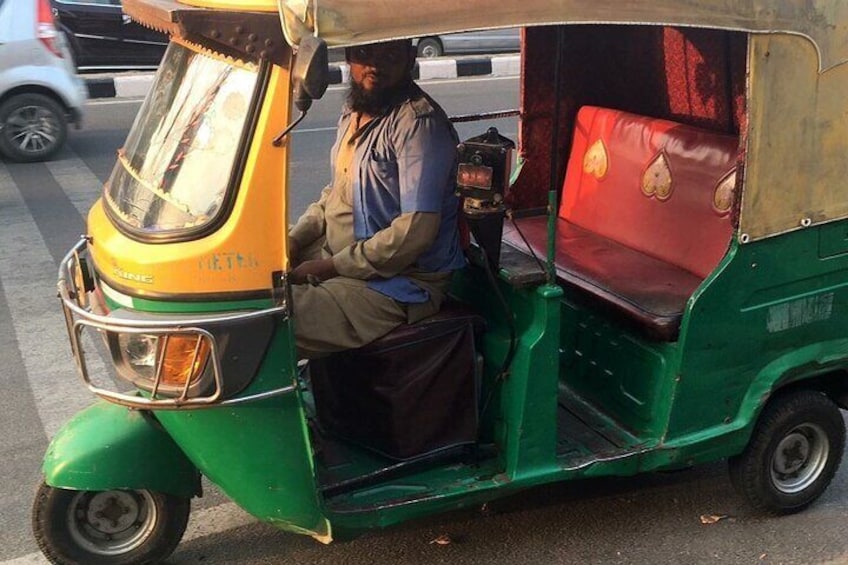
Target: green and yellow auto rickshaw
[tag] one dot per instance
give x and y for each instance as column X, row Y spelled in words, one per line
column 660, row 281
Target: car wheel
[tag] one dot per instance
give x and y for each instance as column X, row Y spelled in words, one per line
column 113, row 527
column 33, row 127
column 430, row 47
column 793, row 454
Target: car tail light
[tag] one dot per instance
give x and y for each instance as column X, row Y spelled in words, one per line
column 45, row 28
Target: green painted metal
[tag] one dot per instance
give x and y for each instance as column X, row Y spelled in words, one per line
column 672, row 404
column 201, row 307
column 529, row 394
column 761, row 322
column 619, row 371
column 107, row 447
column 259, row 453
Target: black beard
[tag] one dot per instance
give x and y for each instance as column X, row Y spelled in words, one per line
column 376, row 102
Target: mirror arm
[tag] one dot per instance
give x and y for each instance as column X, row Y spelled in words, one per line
column 278, row 140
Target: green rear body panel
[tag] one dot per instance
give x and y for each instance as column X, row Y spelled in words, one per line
column 769, row 318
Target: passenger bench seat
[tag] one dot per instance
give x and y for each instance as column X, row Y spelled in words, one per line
column 644, row 215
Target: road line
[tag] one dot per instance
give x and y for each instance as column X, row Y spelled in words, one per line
column 29, row 274
column 112, row 102
column 315, row 130
column 82, row 188
column 207, row 522
column 78, row 181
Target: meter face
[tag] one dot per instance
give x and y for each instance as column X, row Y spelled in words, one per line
column 474, row 176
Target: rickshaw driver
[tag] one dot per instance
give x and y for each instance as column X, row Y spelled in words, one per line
column 379, row 246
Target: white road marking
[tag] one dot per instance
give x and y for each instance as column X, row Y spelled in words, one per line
column 29, row 279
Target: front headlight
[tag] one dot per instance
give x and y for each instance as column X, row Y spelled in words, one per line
column 162, row 362
column 139, row 352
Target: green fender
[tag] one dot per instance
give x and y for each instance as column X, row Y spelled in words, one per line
column 792, row 366
column 107, row 447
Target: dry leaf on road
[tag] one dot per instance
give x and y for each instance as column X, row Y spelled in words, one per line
column 712, row 518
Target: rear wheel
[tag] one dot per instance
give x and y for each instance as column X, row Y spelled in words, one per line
column 33, row 127
column 429, row 47
column 793, row 454
column 113, row 527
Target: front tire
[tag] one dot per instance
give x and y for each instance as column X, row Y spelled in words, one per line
column 33, row 127
column 793, row 454
column 117, row 527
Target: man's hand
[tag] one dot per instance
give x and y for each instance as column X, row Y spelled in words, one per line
column 314, row 271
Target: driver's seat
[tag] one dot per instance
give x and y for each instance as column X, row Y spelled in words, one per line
column 411, row 393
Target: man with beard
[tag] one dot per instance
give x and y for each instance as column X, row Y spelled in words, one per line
column 378, row 248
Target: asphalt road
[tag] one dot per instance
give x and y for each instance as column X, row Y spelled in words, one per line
column 652, row 519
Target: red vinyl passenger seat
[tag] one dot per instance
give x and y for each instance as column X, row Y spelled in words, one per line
column 644, row 216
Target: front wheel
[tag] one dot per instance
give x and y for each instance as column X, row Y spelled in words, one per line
column 113, row 527
column 793, row 454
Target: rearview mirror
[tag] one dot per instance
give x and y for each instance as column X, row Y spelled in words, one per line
column 311, row 71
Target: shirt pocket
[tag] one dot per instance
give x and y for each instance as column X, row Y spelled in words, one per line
column 382, row 173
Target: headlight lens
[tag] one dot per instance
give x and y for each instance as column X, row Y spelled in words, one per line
column 139, row 352
column 178, row 358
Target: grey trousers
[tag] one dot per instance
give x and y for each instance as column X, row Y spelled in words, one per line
column 343, row 313
column 339, row 314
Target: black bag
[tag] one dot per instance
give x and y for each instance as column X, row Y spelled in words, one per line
column 412, row 392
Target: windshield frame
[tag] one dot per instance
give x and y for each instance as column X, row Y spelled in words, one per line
column 236, row 173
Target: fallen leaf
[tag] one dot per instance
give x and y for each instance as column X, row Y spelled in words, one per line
column 443, row 539
column 763, row 556
column 712, row 518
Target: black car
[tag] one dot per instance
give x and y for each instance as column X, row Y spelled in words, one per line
column 101, row 36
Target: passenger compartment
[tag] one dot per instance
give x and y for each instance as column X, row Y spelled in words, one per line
column 644, row 216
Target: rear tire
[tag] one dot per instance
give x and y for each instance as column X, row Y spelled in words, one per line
column 793, row 454
column 33, row 127
column 430, row 47
column 118, row 527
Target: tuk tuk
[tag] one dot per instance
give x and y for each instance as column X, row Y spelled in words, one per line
column 657, row 282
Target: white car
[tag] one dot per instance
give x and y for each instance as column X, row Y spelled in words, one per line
column 486, row 41
column 40, row 93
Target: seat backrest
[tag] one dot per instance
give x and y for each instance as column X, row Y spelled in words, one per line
column 662, row 188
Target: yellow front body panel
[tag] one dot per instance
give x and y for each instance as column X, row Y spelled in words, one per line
column 238, row 257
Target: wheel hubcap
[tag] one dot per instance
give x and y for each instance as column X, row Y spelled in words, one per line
column 799, row 458
column 429, row 51
column 32, row 128
column 111, row 522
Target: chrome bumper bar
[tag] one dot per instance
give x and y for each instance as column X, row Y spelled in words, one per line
column 77, row 302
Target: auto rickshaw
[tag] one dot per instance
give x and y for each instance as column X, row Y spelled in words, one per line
column 659, row 281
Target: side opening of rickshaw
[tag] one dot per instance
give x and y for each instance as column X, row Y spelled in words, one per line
column 672, row 256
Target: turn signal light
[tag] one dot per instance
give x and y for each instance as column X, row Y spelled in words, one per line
column 183, row 359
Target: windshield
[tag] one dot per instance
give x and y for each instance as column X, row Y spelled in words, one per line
column 173, row 172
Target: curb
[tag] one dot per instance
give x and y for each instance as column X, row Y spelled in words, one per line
column 137, row 85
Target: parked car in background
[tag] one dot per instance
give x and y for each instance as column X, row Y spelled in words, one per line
column 101, row 36
column 40, row 93
column 487, row 41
